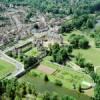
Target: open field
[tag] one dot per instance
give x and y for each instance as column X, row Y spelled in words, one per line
column 66, row 75
column 92, row 55
column 42, row 86
column 66, row 72
column 5, row 68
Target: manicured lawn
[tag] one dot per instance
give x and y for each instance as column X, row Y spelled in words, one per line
column 34, row 52
column 46, row 61
column 92, row 55
column 66, row 75
column 41, row 86
column 5, row 68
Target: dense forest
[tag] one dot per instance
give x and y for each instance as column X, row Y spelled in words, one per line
column 61, row 6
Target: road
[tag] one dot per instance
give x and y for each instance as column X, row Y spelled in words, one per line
column 19, row 66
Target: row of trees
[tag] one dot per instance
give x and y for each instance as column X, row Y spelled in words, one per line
column 61, row 6
column 79, row 22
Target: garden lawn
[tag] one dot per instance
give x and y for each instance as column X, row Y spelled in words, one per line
column 33, row 52
column 5, row 68
column 66, row 75
column 92, row 55
column 41, row 86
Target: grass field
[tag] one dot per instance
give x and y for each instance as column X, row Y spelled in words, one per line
column 32, row 52
column 66, row 72
column 92, row 55
column 41, row 86
column 66, row 75
column 5, row 68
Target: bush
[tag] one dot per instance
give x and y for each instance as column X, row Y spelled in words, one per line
column 34, row 74
column 58, row 83
column 84, row 43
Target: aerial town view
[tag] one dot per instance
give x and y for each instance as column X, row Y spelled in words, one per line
column 49, row 49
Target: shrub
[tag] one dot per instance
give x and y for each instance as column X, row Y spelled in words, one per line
column 34, row 74
column 58, row 83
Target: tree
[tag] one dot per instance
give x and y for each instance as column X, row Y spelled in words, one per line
column 58, row 83
column 30, row 61
column 97, row 89
column 46, row 78
column 79, row 41
column 54, row 96
column 80, row 89
column 36, row 26
column 46, row 96
column 1, row 88
column 55, row 48
column 74, row 40
column 10, row 54
column 21, row 56
column 90, row 67
column 90, row 23
column 80, row 60
column 59, row 53
column 83, row 43
column 17, row 97
column 69, row 49
column 66, row 27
